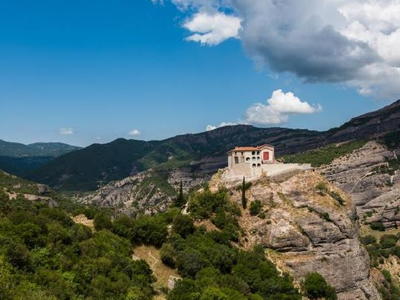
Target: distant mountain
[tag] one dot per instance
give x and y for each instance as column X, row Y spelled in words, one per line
column 204, row 153
column 34, row 150
column 201, row 154
column 18, row 158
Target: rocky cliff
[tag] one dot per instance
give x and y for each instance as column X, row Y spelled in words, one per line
column 307, row 224
column 146, row 192
column 371, row 178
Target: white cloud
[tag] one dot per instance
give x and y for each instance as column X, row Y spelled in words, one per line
column 278, row 109
column 134, row 132
column 223, row 124
column 353, row 42
column 211, row 127
column 66, row 131
column 212, row 29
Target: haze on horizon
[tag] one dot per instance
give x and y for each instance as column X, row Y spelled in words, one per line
column 90, row 72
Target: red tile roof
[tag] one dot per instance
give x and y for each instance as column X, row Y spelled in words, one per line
column 245, row 149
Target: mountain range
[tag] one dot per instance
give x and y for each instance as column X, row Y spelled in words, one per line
column 18, row 158
column 204, row 153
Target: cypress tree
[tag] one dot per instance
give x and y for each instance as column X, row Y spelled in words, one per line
column 180, row 200
column 244, row 199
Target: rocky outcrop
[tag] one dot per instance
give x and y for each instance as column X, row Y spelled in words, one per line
column 374, row 186
column 306, row 229
column 132, row 195
column 144, row 193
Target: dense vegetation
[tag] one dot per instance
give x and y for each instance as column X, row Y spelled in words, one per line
column 210, row 266
column 316, row 287
column 45, row 255
column 391, row 139
column 378, row 252
column 324, row 155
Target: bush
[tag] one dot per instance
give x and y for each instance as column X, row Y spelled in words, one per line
column 102, row 221
column 168, row 254
column 150, row 231
column 183, row 225
column 387, row 275
column 377, row 226
column 190, row 262
column 316, row 287
column 368, row 240
column 388, row 240
column 220, row 219
column 337, row 197
column 255, row 207
column 321, row 188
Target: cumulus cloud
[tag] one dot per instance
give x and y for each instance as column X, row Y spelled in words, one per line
column 134, row 132
column 212, row 29
column 278, row 109
column 66, row 131
column 223, row 124
column 354, row 42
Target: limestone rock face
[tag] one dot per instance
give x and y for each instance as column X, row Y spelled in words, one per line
column 131, row 196
column 365, row 175
column 306, row 231
column 144, row 192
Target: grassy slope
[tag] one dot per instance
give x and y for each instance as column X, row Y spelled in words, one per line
column 324, row 155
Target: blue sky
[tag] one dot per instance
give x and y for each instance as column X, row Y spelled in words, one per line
column 91, row 71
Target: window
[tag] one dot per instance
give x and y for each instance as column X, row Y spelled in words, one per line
column 253, row 153
column 247, row 158
column 258, row 165
column 254, row 165
column 236, row 160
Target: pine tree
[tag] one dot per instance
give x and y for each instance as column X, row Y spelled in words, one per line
column 244, row 199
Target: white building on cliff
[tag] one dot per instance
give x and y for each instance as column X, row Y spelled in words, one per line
column 249, row 161
column 252, row 162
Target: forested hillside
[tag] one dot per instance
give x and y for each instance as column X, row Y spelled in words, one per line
column 45, row 254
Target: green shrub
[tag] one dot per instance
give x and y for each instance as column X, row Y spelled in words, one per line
column 388, row 240
column 168, row 255
column 220, row 219
column 377, row 226
column 321, row 188
column 325, row 216
column 102, row 221
column 316, row 287
column 255, row 207
column 337, row 197
column 190, row 262
column 183, row 225
column 149, row 230
column 368, row 239
column 387, row 275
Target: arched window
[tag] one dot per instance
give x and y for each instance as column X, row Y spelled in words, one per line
column 258, row 165
column 254, row 165
column 247, row 158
